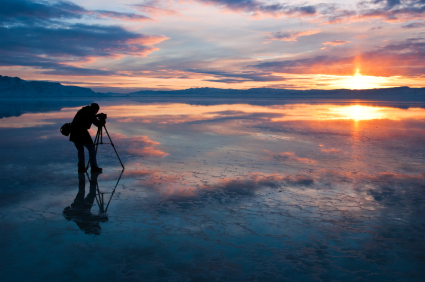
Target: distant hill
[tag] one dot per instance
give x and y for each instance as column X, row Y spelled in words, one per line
column 382, row 94
column 14, row 87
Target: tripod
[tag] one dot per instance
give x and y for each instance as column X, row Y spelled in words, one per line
column 100, row 195
column 99, row 140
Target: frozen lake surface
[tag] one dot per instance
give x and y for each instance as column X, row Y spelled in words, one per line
column 216, row 191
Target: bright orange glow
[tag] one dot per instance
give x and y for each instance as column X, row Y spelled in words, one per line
column 359, row 81
column 358, row 112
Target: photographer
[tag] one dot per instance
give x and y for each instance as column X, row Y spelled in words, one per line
column 81, row 137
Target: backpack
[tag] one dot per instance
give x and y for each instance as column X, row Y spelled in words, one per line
column 66, row 129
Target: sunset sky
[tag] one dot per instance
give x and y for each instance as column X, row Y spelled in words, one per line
column 130, row 45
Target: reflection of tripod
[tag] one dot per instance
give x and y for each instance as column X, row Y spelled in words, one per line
column 99, row 140
column 100, row 195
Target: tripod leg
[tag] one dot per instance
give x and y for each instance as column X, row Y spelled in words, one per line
column 113, row 192
column 113, row 147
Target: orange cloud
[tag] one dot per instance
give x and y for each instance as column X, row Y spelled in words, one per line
column 335, row 43
column 331, row 151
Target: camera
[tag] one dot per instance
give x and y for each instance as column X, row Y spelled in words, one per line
column 101, row 116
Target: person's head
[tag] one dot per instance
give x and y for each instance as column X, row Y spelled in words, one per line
column 95, row 107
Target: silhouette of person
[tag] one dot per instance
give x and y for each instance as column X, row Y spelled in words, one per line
column 79, row 211
column 81, row 137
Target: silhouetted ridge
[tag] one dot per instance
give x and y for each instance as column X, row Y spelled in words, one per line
column 11, row 87
column 381, row 94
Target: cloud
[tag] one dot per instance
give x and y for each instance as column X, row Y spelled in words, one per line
column 331, row 151
column 229, row 77
column 259, row 8
column 392, row 10
column 26, row 11
column 155, row 7
column 406, row 58
column 291, row 36
column 414, row 25
column 335, row 43
column 33, row 34
column 328, row 13
column 121, row 16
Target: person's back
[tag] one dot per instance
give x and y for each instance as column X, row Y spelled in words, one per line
column 81, row 137
column 83, row 118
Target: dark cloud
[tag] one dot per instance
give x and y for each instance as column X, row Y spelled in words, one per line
column 392, row 10
column 35, row 34
column 77, row 40
column 402, row 58
column 388, row 10
column 255, row 8
column 24, row 12
column 228, row 77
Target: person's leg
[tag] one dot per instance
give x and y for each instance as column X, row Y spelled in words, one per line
column 81, row 161
column 92, row 155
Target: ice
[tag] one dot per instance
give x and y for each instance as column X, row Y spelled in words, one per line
column 217, row 191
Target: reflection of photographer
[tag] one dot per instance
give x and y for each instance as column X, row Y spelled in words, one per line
column 81, row 137
column 79, row 211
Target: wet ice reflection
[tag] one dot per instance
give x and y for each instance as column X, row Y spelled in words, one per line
column 227, row 192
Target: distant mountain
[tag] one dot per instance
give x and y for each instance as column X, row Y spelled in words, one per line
column 14, row 87
column 382, row 94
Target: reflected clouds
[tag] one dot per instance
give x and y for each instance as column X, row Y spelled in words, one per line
column 306, row 191
column 139, row 145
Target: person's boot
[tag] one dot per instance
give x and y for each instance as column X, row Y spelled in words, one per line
column 96, row 169
column 82, row 169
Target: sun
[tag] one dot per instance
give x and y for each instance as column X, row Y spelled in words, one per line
column 359, row 81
